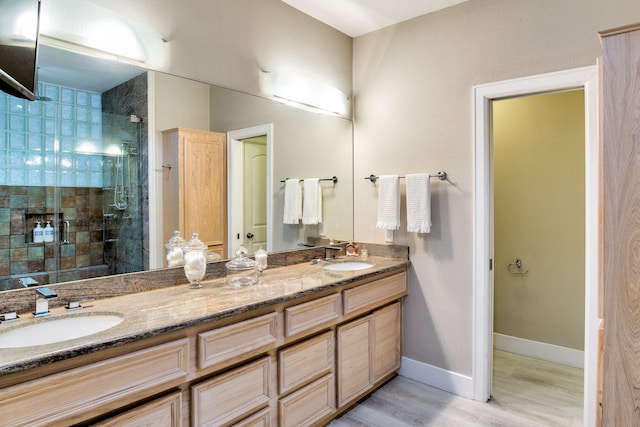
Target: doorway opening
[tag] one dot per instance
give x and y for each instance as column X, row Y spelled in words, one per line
column 250, row 188
column 538, row 232
column 484, row 256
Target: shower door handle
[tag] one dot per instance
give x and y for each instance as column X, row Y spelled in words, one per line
column 65, row 232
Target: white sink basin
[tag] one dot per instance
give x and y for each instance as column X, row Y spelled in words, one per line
column 348, row 266
column 52, row 330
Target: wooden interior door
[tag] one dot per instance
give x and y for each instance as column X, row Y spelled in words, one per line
column 204, row 187
column 255, row 194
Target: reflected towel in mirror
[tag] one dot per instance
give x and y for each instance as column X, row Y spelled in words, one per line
column 292, row 202
column 312, row 202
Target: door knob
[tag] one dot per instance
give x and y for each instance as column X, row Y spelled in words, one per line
column 249, row 235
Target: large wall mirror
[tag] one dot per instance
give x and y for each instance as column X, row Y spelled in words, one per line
column 82, row 166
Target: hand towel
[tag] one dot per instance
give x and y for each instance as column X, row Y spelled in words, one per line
column 292, row 201
column 418, row 203
column 388, row 202
column 312, row 202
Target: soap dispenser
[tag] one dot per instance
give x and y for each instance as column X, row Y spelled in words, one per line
column 38, row 233
column 48, row 232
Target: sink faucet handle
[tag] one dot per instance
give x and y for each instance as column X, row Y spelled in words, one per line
column 76, row 305
column 9, row 317
column 42, row 301
column 45, row 293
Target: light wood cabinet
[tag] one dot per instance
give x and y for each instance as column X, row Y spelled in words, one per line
column 621, row 224
column 368, row 350
column 355, row 374
column 194, row 186
column 386, row 346
column 241, row 371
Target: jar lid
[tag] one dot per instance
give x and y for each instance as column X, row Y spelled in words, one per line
column 241, row 261
column 175, row 241
column 194, row 244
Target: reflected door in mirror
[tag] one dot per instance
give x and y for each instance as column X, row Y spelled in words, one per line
column 255, row 193
column 194, row 186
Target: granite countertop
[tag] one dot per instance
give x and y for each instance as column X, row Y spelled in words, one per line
column 155, row 312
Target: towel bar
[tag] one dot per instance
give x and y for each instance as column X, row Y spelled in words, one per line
column 441, row 175
column 333, row 178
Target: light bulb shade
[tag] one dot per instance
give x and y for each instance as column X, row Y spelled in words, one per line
column 305, row 92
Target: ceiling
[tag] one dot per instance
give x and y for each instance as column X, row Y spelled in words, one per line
column 358, row 17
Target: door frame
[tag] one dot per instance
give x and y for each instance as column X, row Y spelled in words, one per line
column 587, row 79
column 235, row 184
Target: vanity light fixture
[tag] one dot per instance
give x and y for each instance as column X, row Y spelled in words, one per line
column 304, row 92
column 81, row 25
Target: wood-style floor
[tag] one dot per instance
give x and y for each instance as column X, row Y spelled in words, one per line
column 526, row 392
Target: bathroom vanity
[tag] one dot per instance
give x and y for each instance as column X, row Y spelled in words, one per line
column 297, row 349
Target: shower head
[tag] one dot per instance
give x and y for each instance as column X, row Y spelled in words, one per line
column 135, row 119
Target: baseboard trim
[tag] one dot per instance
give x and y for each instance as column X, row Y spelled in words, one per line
column 539, row 350
column 443, row 379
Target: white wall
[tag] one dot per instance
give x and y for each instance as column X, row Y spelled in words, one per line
column 413, row 103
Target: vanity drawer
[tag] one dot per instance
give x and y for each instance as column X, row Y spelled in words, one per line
column 240, row 340
column 308, row 405
column 303, row 317
column 304, row 362
column 232, row 396
column 83, row 393
column 376, row 293
column 165, row 411
column 259, row 419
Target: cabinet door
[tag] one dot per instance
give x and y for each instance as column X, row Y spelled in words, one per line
column 354, row 359
column 387, row 330
column 204, row 186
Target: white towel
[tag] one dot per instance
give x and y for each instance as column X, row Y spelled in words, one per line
column 292, row 201
column 418, row 203
column 312, row 202
column 388, row 203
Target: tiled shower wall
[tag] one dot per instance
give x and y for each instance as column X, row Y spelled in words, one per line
column 81, row 257
column 29, row 173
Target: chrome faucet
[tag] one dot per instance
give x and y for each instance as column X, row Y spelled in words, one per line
column 42, row 301
column 328, row 249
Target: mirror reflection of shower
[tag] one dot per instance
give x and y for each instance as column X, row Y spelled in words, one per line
column 122, row 214
column 125, row 169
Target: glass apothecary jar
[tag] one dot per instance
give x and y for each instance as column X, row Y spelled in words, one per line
column 242, row 270
column 175, row 255
column 261, row 259
column 195, row 261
